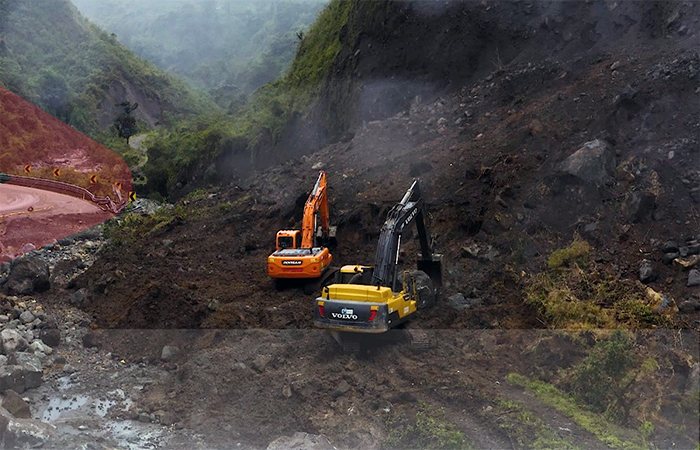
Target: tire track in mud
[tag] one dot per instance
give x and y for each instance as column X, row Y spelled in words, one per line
column 557, row 421
column 441, row 382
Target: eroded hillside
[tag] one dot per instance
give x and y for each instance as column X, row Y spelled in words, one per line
column 561, row 173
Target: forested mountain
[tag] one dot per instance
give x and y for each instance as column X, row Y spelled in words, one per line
column 229, row 46
column 53, row 57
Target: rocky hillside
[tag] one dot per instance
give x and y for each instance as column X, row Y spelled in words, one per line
column 54, row 58
column 561, row 175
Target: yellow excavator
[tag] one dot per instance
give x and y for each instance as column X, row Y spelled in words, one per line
column 375, row 299
column 305, row 254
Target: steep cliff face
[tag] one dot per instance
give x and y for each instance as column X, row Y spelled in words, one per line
column 54, row 58
column 393, row 51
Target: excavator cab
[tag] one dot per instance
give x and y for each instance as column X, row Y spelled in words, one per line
column 288, row 239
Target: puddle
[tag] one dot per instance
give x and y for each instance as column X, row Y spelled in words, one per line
column 59, row 407
column 135, row 436
column 87, row 416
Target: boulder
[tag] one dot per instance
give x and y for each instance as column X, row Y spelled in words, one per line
column 593, row 163
column 169, row 353
column 693, row 278
column 638, row 206
column 12, row 341
column 50, row 336
column 28, row 274
column 24, row 433
column 647, row 273
column 15, row 405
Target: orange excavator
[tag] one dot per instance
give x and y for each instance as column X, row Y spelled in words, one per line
column 305, row 254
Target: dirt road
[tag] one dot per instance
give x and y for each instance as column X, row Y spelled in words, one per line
column 32, row 218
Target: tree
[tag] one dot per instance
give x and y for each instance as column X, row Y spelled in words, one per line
column 125, row 124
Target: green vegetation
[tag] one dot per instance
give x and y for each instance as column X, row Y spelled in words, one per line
column 187, row 148
column 573, row 254
column 65, row 65
column 528, row 430
column 430, row 429
column 610, row 434
column 230, row 48
column 130, row 227
column 574, row 293
column 604, row 379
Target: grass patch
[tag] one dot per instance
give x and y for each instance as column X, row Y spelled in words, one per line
column 577, row 253
column 527, row 430
column 129, row 227
column 611, row 435
column 429, row 429
column 575, row 293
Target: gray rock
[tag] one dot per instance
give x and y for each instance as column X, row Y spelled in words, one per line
column 4, row 318
column 11, row 377
column 689, row 306
column 12, row 341
column 594, row 163
column 461, row 303
column 24, row 433
column 670, row 247
column 28, row 274
column 79, row 297
column 694, row 278
column 458, row 302
column 33, row 371
column 638, row 207
column 214, row 305
column 260, row 362
column 15, row 405
column 26, row 374
column 67, row 368
column 647, row 273
column 669, row 257
column 50, row 336
column 26, row 317
column 40, row 347
column 301, row 441
column 169, row 353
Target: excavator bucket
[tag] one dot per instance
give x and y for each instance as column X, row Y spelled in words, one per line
column 433, row 267
column 331, row 242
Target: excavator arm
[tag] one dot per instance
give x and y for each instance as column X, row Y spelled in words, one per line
column 316, row 203
column 410, row 208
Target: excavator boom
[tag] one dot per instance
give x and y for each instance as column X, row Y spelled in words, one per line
column 316, row 206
